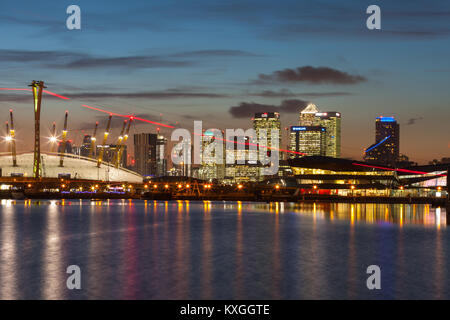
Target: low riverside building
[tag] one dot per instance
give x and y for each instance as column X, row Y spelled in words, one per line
column 327, row 175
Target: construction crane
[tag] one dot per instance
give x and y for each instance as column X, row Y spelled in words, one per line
column 53, row 138
column 93, row 139
column 105, row 136
column 13, row 140
column 119, row 141
column 122, row 144
column 63, row 141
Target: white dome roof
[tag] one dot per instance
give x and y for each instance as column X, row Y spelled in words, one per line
column 77, row 167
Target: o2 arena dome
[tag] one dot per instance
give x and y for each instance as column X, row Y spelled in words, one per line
column 75, row 167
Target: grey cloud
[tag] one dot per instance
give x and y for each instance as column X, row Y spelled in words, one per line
column 165, row 94
column 312, row 75
column 284, row 93
column 412, row 121
column 248, row 109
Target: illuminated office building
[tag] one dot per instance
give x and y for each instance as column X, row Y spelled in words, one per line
column 247, row 169
column 212, row 164
column 307, row 140
column 161, row 159
column 268, row 121
column 386, row 148
column 183, row 151
column 331, row 121
column 150, row 154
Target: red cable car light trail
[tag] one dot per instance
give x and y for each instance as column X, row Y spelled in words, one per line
column 128, row 116
column 391, row 169
column 56, row 95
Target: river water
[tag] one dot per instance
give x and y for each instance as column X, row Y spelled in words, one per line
column 128, row 249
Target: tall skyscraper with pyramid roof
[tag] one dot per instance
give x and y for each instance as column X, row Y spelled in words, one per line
column 308, row 115
column 311, row 119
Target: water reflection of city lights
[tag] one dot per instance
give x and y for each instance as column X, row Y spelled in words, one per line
column 369, row 213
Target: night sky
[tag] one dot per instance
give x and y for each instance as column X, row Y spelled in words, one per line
column 219, row 61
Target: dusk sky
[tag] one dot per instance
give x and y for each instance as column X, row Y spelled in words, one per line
column 221, row 61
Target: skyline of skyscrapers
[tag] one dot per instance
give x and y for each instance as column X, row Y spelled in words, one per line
column 320, row 137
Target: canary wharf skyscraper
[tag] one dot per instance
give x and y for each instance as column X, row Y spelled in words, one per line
column 307, row 140
column 308, row 115
column 268, row 121
column 212, row 158
column 331, row 121
column 386, row 148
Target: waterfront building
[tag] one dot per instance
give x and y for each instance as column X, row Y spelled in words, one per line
column 270, row 123
column 333, row 176
column 331, row 121
column 183, row 151
column 161, row 158
column 242, row 163
column 150, row 154
column 145, row 153
column 307, row 140
column 212, row 165
column 386, row 148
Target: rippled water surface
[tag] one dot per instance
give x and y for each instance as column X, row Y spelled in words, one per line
column 221, row 250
